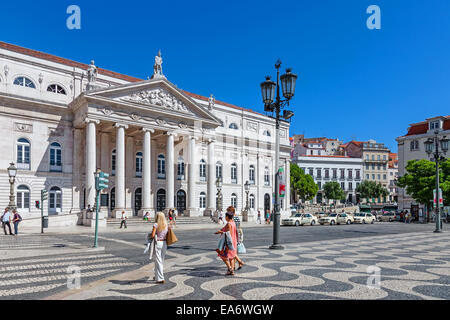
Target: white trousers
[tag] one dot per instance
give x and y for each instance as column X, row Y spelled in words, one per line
column 160, row 254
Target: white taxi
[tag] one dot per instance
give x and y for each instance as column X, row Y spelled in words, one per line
column 364, row 217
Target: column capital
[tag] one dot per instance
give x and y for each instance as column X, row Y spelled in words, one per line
column 88, row 120
column 210, row 140
column 171, row 133
column 121, row 125
column 148, row 130
column 193, row 137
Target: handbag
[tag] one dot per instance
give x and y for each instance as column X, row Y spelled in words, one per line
column 171, row 237
column 241, row 248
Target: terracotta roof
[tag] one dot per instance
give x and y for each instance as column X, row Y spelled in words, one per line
column 357, row 143
column 422, row 127
column 325, row 156
column 67, row 62
column 197, row 96
column 71, row 63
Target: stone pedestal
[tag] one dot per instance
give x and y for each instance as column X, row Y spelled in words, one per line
column 191, row 213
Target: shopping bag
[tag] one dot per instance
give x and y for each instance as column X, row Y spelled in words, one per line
column 241, row 248
column 171, row 237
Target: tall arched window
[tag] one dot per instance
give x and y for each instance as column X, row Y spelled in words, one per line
column 251, row 201
column 234, row 173
column 139, row 164
column 180, row 168
column 251, row 174
column 55, row 200
column 23, row 198
column 234, row 200
column 202, row 170
column 56, row 88
column 202, row 203
column 55, row 157
column 266, row 176
column 161, row 167
column 23, row 154
column 24, row 82
column 113, row 162
column 219, row 168
column 233, row 126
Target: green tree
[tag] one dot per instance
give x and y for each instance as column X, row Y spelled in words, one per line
column 333, row 191
column 302, row 185
column 369, row 189
column 420, row 180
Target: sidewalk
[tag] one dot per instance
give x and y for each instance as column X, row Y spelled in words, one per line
column 133, row 228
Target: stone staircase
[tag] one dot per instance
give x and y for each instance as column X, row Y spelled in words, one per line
column 137, row 221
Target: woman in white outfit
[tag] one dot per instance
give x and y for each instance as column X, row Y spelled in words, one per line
column 159, row 234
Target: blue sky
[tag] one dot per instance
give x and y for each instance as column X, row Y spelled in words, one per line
column 354, row 83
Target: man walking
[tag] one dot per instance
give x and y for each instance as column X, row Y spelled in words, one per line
column 6, row 221
column 16, row 220
column 259, row 217
column 124, row 220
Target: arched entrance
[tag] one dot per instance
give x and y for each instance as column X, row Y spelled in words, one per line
column 161, row 200
column 137, row 200
column 181, row 201
column 266, row 202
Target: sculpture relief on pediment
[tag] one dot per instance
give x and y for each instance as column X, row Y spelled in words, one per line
column 158, row 97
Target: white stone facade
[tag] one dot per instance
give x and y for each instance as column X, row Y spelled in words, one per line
column 345, row 170
column 58, row 133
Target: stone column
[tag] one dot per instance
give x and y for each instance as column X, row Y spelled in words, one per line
column 90, row 161
column 120, row 171
column 104, row 152
column 170, row 171
column 146, row 174
column 130, row 173
column 211, row 175
column 192, row 178
column 76, row 172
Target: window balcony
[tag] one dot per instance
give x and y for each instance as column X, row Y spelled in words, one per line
column 180, row 177
column 161, row 175
column 55, row 168
column 234, row 181
column 23, row 166
column 138, row 174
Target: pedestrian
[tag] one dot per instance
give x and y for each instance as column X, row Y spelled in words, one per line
column 6, row 221
column 221, row 218
column 267, row 217
column 123, row 219
column 228, row 253
column 170, row 216
column 174, row 216
column 237, row 222
column 146, row 216
column 159, row 234
column 259, row 217
column 406, row 217
column 16, row 220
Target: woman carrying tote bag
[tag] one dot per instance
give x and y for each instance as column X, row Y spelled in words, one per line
column 159, row 234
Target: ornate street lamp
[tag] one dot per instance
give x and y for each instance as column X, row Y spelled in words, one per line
column 275, row 104
column 12, row 171
column 247, row 190
column 432, row 149
column 219, row 193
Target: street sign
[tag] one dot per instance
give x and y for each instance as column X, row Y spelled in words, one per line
column 103, row 181
column 282, row 182
column 44, row 194
column 441, row 200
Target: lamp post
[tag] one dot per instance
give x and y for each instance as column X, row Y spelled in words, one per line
column 12, row 171
column 219, row 193
column 288, row 81
column 432, row 149
column 247, row 190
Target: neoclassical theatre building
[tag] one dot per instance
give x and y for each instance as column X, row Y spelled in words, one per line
column 164, row 147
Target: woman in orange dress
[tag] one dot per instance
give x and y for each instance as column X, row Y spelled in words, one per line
column 226, row 254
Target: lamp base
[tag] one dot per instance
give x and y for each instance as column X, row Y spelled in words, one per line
column 276, row 247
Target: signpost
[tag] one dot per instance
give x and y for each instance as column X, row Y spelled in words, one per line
column 441, row 200
column 44, row 196
column 101, row 182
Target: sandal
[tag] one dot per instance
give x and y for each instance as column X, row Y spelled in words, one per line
column 241, row 265
column 230, row 273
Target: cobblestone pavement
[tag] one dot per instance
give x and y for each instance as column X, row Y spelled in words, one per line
column 412, row 266
column 27, row 278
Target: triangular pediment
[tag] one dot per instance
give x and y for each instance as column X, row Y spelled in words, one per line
column 157, row 95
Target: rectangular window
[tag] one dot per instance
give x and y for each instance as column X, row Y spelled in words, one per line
column 384, row 177
column 343, row 185
column 357, row 174
column 334, row 173
column 319, row 173
column 327, row 173
column 367, row 176
column 379, row 176
column 350, row 173
column 350, row 186
column 435, row 125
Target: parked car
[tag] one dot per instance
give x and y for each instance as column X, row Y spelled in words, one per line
column 330, row 219
column 320, row 214
column 389, row 216
column 344, row 218
column 300, row 219
column 364, row 217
